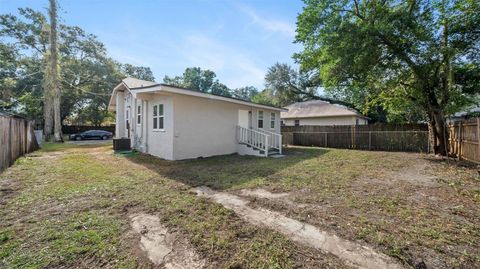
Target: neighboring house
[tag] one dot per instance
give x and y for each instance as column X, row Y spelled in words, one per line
column 176, row 123
column 317, row 112
column 473, row 111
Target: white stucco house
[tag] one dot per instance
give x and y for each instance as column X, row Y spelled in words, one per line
column 318, row 112
column 176, row 123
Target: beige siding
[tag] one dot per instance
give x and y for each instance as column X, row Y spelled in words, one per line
column 339, row 120
column 206, row 127
column 193, row 127
column 160, row 143
column 120, row 115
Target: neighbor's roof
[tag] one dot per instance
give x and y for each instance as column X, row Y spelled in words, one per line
column 142, row 86
column 317, row 108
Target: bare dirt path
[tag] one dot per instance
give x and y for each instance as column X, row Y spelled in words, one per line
column 350, row 252
column 163, row 247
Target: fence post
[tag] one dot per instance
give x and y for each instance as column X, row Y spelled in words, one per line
column 10, row 151
column 326, row 139
column 353, row 136
column 459, row 138
column 478, row 139
column 370, row 140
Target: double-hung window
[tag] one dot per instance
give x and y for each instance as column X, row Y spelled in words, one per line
column 139, row 114
column 260, row 119
column 272, row 120
column 158, row 117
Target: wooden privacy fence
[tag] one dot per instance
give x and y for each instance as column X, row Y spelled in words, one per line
column 388, row 137
column 16, row 139
column 464, row 139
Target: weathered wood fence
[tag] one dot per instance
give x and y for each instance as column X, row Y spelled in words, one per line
column 388, row 137
column 464, row 139
column 16, row 139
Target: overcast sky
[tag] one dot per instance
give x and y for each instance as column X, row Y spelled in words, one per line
column 238, row 40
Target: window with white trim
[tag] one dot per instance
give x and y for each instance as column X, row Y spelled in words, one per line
column 297, row 122
column 158, row 117
column 272, row 120
column 260, row 119
column 139, row 114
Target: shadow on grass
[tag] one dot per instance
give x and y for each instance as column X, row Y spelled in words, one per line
column 228, row 171
column 50, row 147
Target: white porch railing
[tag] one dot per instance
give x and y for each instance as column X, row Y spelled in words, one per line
column 260, row 139
column 275, row 139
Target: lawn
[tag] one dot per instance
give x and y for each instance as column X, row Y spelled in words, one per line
column 69, row 206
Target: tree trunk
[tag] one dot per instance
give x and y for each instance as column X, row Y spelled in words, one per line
column 54, row 72
column 47, row 112
column 439, row 134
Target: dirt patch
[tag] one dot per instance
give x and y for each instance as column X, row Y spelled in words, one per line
column 280, row 198
column 163, row 247
column 261, row 193
column 350, row 252
column 416, row 175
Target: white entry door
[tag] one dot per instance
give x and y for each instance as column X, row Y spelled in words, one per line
column 243, row 118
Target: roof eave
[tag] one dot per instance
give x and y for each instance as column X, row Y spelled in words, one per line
column 179, row 90
column 113, row 101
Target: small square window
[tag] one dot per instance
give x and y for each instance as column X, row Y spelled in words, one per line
column 297, row 122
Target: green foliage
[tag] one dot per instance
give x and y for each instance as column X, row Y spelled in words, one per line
column 284, row 83
column 285, row 86
column 264, row 97
column 413, row 58
column 87, row 74
column 139, row 72
column 206, row 81
column 245, row 93
column 198, row 79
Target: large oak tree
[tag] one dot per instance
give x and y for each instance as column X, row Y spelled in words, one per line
column 86, row 73
column 423, row 52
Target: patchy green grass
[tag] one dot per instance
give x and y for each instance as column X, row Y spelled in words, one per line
column 68, row 206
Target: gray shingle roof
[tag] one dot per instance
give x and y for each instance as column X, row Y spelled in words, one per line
column 317, row 108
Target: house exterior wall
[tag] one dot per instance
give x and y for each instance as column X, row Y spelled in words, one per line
column 158, row 142
column 120, row 115
column 266, row 120
column 205, row 127
column 338, row 120
column 193, row 127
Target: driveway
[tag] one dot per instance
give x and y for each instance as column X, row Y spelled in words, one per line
column 89, row 142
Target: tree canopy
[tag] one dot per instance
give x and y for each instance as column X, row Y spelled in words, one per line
column 206, row 81
column 418, row 56
column 87, row 73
